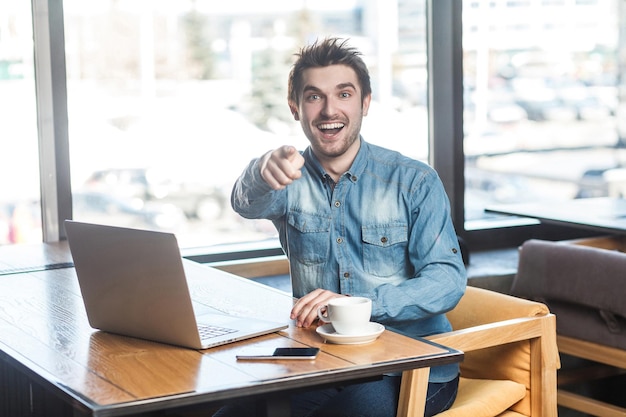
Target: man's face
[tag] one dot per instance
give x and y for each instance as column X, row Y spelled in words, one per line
column 331, row 110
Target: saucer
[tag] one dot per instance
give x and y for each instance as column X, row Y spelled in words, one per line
column 328, row 332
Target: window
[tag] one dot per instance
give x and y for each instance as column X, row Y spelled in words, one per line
column 167, row 101
column 20, row 213
column 540, row 94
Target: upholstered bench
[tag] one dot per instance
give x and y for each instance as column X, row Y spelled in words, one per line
column 585, row 287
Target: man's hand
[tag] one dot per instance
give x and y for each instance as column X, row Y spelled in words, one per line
column 281, row 167
column 304, row 312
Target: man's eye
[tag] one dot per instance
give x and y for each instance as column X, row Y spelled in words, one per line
column 345, row 95
column 314, row 97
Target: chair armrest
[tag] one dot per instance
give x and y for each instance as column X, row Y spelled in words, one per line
column 492, row 334
column 592, row 351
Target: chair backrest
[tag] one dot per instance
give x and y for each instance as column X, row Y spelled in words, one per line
column 480, row 306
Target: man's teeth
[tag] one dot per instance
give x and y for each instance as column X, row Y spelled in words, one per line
column 331, row 126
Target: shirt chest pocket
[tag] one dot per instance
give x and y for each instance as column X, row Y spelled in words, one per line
column 384, row 249
column 308, row 237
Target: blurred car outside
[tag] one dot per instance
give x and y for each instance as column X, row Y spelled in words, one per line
column 105, row 208
column 196, row 200
column 603, row 182
column 565, row 100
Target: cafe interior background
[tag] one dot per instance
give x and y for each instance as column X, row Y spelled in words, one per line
column 142, row 113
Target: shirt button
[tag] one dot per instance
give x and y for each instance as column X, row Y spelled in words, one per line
column 384, row 239
column 337, row 203
column 339, row 240
column 346, row 275
column 353, row 178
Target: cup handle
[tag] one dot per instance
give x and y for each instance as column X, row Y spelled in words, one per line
column 322, row 313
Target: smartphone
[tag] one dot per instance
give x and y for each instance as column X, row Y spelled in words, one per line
column 261, row 353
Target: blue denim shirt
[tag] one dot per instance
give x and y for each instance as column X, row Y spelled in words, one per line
column 383, row 231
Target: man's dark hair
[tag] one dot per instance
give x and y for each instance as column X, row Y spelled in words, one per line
column 330, row 51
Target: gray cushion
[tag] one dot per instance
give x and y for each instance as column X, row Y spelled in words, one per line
column 584, row 287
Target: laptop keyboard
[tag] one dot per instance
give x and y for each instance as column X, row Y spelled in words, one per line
column 209, row 332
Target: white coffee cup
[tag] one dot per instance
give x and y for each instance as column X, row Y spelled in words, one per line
column 348, row 315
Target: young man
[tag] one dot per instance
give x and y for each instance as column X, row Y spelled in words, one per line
column 356, row 220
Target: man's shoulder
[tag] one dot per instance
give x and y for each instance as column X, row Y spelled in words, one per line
column 395, row 158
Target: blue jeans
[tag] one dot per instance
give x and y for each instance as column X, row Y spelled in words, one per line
column 370, row 399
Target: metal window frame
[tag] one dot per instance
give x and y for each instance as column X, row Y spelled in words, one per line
column 52, row 121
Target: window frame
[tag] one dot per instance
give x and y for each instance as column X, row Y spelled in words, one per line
column 52, row 120
column 445, row 118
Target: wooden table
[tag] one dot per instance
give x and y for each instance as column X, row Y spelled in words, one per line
column 70, row 368
column 603, row 214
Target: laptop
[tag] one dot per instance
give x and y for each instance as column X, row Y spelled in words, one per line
column 133, row 283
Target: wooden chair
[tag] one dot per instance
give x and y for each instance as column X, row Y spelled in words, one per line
column 583, row 286
column 510, row 360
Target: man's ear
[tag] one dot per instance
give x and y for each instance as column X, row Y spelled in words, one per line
column 294, row 111
column 366, row 104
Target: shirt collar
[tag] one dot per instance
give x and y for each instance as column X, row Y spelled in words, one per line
column 356, row 169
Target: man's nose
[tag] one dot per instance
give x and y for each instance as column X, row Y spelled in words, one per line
column 330, row 107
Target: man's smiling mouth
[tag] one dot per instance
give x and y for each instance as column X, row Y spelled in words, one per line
column 330, row 128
